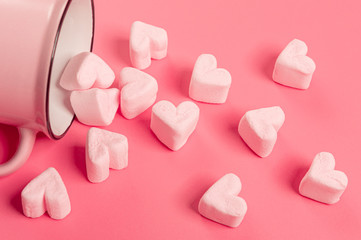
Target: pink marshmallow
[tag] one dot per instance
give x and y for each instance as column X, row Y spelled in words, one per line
column 146, row 42
column 208, row 83
column 95, row 107
column 139, row 92
column 104, row 150
column 173, row 125
column 258, row 128
column 221, row 204
column 86, row 70
column 322, row 182
column 46, row 192
column 293, row 68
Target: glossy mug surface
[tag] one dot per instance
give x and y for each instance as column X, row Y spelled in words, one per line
column 37, row 40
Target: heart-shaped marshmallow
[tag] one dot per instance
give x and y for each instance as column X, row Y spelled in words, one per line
column 139, row 92
column 173, row 125
column 46, row 192
column 322, row 182
column 221, row 204
column 95, row 107
column 258, row 128
column 146, row 42
column 104, row 150
column 86, row 70
column 208, row 83
column 293, row 68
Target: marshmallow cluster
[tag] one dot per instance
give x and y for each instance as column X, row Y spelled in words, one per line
column 95, row 103
column 88, row 78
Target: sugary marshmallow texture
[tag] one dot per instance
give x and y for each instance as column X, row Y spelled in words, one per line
column 258, row 128
column 208, row 83
column 221, row 204
column 104, row 150
column 173, row 125
column 146, row 42
column 46, row 192
column 322, row 182
column 86, row 70
column 293, row 68
column 138, row 92
column 95, row 107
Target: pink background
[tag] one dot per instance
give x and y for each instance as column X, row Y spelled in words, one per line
column 156, row 197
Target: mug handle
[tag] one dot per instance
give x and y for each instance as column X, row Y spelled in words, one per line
column 26, row 142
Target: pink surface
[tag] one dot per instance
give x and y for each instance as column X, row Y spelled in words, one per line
column 156, row 196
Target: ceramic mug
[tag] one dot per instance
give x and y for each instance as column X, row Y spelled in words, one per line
column 37, row 40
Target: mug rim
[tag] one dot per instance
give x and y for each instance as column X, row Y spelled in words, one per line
column 55, row 45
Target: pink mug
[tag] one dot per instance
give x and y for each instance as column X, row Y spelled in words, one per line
column 38, row 37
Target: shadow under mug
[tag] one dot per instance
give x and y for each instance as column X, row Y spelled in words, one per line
column 37, row 40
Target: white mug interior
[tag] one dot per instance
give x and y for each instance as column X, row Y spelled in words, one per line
column 75, row 35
